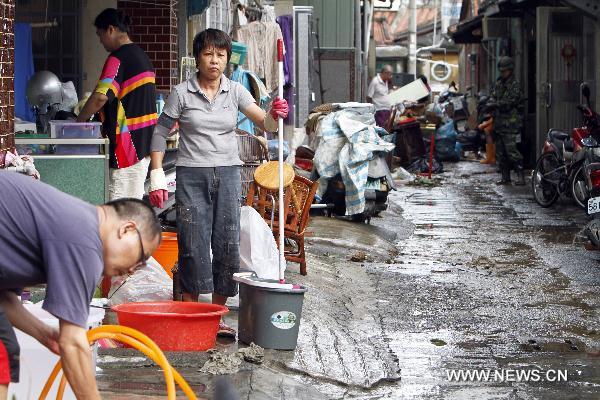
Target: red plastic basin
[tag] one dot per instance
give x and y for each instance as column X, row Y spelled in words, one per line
column 174, row 325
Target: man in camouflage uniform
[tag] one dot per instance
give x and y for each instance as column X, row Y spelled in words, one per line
column 508, row 121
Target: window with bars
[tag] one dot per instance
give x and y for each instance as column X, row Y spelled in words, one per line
column 217, row 16
column 58, row 48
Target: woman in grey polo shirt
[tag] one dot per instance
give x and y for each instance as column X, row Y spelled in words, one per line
column 208, row 173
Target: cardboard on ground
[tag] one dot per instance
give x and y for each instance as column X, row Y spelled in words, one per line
column 411, row 92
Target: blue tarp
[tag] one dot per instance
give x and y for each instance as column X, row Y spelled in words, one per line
column 23, row 70
column 348, row 141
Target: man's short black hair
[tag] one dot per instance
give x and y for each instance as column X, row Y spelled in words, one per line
column 114, row 17
column 210, row 38
column 141, row 213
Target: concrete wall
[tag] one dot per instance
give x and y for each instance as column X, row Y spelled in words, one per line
column 93, row 54
column 336, row 21
column 284, row 7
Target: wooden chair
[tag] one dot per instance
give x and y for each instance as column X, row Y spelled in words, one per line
column 297, row 220
column 265, row 202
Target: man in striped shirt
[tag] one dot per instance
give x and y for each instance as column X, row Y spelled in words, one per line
column 126, row 98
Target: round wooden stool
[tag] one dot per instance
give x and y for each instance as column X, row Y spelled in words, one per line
column 267, row 176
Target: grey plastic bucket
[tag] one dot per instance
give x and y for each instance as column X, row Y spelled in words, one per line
column 270, row 317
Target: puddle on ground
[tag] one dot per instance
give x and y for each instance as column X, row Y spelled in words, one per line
column 344, row 238
column 562, row 235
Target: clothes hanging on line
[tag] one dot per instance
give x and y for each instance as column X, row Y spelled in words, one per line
column 261, row 39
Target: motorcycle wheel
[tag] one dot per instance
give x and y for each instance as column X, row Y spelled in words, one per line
column 592, row 231
column 545, row 193
column 579, row 189
column 360, row 218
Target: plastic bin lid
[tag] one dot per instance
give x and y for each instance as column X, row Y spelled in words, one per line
column 71, row 123
column 251, row 279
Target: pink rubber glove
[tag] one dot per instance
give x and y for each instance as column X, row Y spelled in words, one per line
column 158, row 197
column 279, row 108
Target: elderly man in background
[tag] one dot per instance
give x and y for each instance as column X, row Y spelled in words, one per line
column 377, row 94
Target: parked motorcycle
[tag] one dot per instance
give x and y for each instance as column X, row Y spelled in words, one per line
column 454, row 105
column 587, row 184
column 333, row 201
column 589, row 188
column 560, row 169
column 379, row 184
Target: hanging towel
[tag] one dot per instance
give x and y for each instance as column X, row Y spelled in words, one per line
column 23, row 70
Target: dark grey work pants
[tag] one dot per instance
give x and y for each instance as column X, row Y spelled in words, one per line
column 208, row 216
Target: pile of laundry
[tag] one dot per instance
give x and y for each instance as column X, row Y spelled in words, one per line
column 345, row 139
column 12, row 161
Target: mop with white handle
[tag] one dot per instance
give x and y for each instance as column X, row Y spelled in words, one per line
column 280, row 162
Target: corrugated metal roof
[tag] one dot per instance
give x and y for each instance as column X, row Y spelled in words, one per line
column 388, row 25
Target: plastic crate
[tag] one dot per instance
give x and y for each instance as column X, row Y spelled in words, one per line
column 75, row 130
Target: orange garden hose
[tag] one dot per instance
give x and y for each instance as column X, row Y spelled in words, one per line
column 61, row 387
column 136, row 340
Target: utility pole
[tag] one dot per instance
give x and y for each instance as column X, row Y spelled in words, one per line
column 412, row 37
column 447, row 9
column 435, row 6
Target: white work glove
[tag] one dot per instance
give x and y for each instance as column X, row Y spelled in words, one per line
column 158, row 192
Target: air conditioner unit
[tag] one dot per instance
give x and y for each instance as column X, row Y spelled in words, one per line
column 495, row 28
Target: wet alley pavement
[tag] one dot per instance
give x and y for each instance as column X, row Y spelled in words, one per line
column 462, row 276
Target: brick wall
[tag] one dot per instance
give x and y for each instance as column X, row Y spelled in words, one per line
column 155, row 30
column 7, row 105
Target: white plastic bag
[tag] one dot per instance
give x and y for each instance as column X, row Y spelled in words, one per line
column 150, row 283
column 258, row 250
column 69, row 95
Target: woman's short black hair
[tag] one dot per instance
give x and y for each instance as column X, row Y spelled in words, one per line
column 114, row 17
column 210, row 38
